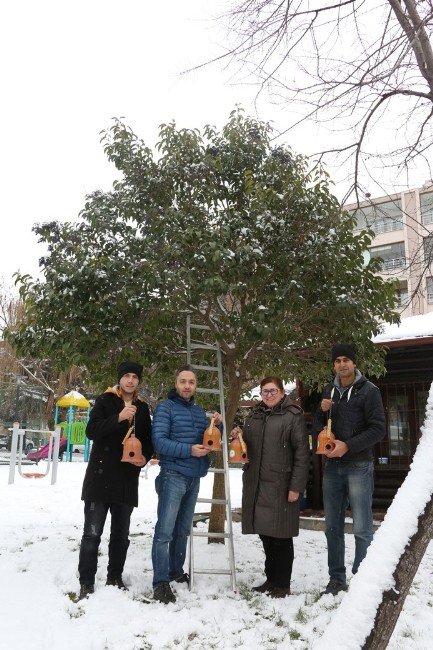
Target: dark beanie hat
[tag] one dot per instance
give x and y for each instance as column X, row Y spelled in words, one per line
column 129, row 366
column 344, row 350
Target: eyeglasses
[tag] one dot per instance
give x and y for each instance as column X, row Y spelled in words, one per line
column 270, row 391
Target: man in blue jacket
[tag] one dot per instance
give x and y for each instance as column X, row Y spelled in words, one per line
column 177, row 436
column 355, row 407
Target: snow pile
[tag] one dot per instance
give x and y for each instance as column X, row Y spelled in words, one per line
column 409, row 328
column 351, row 623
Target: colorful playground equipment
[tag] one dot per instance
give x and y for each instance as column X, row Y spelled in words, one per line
column 41, row 453
column 74, row 429
column 17, row 450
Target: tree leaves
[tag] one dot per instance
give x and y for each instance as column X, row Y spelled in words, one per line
column 222, row 225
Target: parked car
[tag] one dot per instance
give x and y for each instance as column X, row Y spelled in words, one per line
column 6, row 441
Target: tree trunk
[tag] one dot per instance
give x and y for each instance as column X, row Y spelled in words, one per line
column 218, row 514
column 393, row 600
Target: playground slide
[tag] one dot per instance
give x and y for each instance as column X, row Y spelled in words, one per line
column 43, row 451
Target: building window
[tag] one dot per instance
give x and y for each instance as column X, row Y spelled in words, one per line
column 382, row 217
column 402, row 295
column 428, row 250
column 430, row 291
column 426, row 201
column 393, row 256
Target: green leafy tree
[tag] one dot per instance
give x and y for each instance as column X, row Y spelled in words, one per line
column 224, row 226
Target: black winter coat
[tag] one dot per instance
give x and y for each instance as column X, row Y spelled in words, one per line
column 107, row 479
column 357, row 415
column 278, row 462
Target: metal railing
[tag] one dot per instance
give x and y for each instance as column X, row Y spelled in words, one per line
column 379, row 227
column 393, row 263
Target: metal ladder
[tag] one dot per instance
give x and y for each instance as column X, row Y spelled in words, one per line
column 228, row 534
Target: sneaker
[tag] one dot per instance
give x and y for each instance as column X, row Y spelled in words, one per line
column 334, row 587
column 279, row 592
column 164, row 594
column 116, row 582
column 85, row 591
column 183, row 578
column 263, row 588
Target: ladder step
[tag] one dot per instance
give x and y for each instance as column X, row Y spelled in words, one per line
column 203, row 346
column 216, row 470
column 199, row 327
column 221, row 502
column 208, row 368
column 209, row 534
column 213, row 391
column 224, row 572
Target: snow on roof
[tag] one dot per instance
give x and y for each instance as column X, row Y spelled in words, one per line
column 409, row 328
column 73, row 398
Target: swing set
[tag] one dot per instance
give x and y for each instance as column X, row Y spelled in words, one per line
column 17, row 450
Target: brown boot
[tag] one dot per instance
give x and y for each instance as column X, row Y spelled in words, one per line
column 263, row 588
column 279, row 592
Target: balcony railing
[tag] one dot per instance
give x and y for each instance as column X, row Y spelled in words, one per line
column 386, row 226
column 379, row 227
column 393, row 263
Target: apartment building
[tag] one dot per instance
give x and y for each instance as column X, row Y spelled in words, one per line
column 403, row 227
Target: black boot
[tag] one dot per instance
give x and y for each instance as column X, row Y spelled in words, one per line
column 164, row 594
column 85, row 591
column 279, row 592
column 334, row 587
column 116, row 582
column 182, row 578
column 263, row 588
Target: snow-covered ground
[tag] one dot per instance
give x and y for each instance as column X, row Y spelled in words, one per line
column 40, row 530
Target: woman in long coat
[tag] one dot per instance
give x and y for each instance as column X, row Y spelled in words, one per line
column 273, row 479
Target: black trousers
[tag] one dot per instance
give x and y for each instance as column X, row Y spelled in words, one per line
column 279, row 556
column 95, row 514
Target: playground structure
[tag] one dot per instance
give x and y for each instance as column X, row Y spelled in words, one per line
column 17, row 450
column 41, row 453
column 74, row 429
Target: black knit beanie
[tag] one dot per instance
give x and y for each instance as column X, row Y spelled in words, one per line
column 344, row 350
column 129, row 366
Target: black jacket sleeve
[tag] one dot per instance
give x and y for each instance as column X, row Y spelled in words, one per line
column 375, row 421
column 103, row 422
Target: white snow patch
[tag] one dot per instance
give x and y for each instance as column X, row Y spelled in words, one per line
column 409, row 328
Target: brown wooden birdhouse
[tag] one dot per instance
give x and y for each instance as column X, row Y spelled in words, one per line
column 212, row 437
column 238, row 451
column 132, row 450
column 325, row 440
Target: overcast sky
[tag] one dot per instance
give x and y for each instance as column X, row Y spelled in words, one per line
column 69, row 67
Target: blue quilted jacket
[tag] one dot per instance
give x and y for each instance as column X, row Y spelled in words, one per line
column 177, row 425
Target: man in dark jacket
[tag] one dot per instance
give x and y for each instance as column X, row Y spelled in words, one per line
column 109, row 483
column 358, row 422
column 177, row 435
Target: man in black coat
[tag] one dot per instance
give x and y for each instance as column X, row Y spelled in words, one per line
column 110, row 484
column 355, row 407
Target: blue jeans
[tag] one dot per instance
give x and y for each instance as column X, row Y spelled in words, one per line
column 344, row 483
column 177, row 496
column 95, row 514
